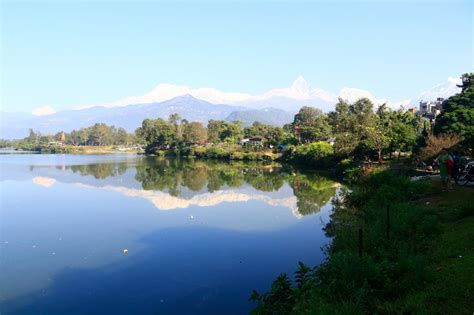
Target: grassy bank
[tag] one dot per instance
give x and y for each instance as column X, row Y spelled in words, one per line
column 424, row 264
column 225, row 152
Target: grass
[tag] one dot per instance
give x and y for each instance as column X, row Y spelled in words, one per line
column 425, row 267
column 104, row 149
column 452, row 289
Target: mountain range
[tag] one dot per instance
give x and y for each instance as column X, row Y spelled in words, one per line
column 275, row 107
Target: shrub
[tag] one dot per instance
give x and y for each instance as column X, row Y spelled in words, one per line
column 434, row 145
column 237, row 156
column 317, row 153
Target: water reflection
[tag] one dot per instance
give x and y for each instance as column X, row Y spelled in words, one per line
column 228, row 228
column 188, row 178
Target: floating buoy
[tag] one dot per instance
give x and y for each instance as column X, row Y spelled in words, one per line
column 191, row 217
column 125, row 251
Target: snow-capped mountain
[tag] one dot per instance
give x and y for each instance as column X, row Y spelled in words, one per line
column 300, row 93
column 276, row 106
column 444, row 90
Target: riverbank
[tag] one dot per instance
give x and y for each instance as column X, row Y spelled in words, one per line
column 399, row 246
column 70, row 149
column 224, row 152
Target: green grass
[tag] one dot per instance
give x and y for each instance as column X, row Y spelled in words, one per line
column 452, row 289
column 425, row 267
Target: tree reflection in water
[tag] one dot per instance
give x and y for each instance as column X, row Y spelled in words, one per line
column 312, row 190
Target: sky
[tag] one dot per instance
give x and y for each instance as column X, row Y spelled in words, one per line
column 64, row 54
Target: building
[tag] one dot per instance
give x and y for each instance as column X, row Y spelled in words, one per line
column 430, row 110
column 430, row 107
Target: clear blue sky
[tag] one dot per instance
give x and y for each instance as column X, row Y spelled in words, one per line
column 66, row 55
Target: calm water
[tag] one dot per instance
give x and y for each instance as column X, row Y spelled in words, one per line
column 200, row 235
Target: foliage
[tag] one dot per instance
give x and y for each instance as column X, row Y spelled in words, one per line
column 271, row 135
column 220, row 130
column 390, row 269
column 316, row 153
column 194, row 132
column 376, row 139
column 313, row 124
column 457, row 116
column 434, row 145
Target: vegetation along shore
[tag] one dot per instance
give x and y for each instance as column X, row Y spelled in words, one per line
column 353, row 132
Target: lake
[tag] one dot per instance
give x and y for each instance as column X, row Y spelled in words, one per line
column 126, row 234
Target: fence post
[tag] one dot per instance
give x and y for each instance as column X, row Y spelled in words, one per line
column 388, row 222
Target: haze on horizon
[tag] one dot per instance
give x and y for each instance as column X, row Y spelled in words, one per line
column 58, row 56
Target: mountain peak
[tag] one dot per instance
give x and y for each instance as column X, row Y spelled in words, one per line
column 301, row 85
column 186, row 97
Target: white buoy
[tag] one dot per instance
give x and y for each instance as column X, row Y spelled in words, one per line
column 191, row 217
column 125, row 251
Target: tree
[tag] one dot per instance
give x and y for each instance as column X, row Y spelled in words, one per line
column 401, row 127
column 194, row 132
column 215, row 129
column 434, row 145
column 376, row 140
column 157, row 134
column 220, row 130
column 340, row 119
column 233, row 132
column 178, row 123
column 273, row 135
column 307, row 116
column 349, row 123
column 467, row 80
column 457, row 116
column 121, row 136
column 32, row 136
column 313, row 124
column 100, row 134
column 83, row 136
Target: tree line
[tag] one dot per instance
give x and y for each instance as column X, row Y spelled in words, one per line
column 95, row 135
column 355, row 129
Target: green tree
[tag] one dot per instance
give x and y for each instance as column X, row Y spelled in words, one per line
column 273, row 135
column 467, row 80
column 376, row 140
column 194, row 132
column 220, row 130
column 215, row 129
column 457, row 116
column 178, row 124
column 349, row 123
column 100, row 134
column 157, row 134
column 121, row 136
column 313, row 124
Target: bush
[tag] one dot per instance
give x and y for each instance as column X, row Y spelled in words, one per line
column 317, row 153
column 237, row 156
column 434, row 145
